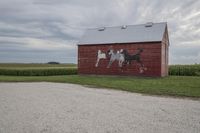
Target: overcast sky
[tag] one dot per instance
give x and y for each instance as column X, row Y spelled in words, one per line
column 47, row 30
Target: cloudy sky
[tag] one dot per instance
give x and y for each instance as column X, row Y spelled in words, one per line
column 47, row 30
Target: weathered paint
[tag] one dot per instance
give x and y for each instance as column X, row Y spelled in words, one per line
column 152, row 58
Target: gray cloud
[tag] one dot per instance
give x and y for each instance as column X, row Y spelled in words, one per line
column 38, row 31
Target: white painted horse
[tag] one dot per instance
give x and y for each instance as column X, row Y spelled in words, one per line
column 100, row 55
column 116, row 56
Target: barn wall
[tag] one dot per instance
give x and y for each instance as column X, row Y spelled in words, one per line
column 150, row 57
column 164, row 59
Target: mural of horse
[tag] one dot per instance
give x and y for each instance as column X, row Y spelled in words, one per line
column 123, row 58
column 118, row 56
column 100, row 55
column 129, row 58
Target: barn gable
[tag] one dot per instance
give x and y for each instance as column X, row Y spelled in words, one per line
column 149, row 32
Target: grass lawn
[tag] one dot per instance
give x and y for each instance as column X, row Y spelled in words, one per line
column 185, row 86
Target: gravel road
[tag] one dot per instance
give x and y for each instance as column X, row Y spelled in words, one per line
column 67, row 108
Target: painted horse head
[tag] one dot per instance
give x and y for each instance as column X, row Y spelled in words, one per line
column 124, row 51
column 110, row 52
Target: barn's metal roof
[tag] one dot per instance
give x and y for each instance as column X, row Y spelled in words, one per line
column 148, row 32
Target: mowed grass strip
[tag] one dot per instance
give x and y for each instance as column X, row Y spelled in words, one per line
column 185, row 86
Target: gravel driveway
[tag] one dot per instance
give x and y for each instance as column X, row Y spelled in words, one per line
column 67, row 108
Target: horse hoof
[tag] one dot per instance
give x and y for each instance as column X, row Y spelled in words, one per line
column 141, row 71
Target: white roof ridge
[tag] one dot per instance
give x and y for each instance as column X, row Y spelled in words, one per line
column 123, row 25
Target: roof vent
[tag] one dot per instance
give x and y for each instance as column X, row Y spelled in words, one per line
column 102, row 29
column 124, row 27
column 149, row 24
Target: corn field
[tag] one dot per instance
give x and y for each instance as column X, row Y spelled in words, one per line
column 185, row 70
column 38, row 72
column 14, row 69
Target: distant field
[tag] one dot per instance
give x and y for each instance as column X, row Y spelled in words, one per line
column 14, row 69
column 34, row 65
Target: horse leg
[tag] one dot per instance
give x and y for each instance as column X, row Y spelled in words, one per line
column 141, row 64
column 120, row 63
column 142, row 68
column 97, row 63
column 129, row 62
column 110, row 63
column 125, row 62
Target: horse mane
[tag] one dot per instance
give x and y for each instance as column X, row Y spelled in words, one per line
column 125, row 51
column 140, row 50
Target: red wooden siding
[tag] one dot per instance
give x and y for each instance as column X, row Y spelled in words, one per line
column 153, row 57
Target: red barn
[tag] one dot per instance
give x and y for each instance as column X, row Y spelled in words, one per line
column 139, row 50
